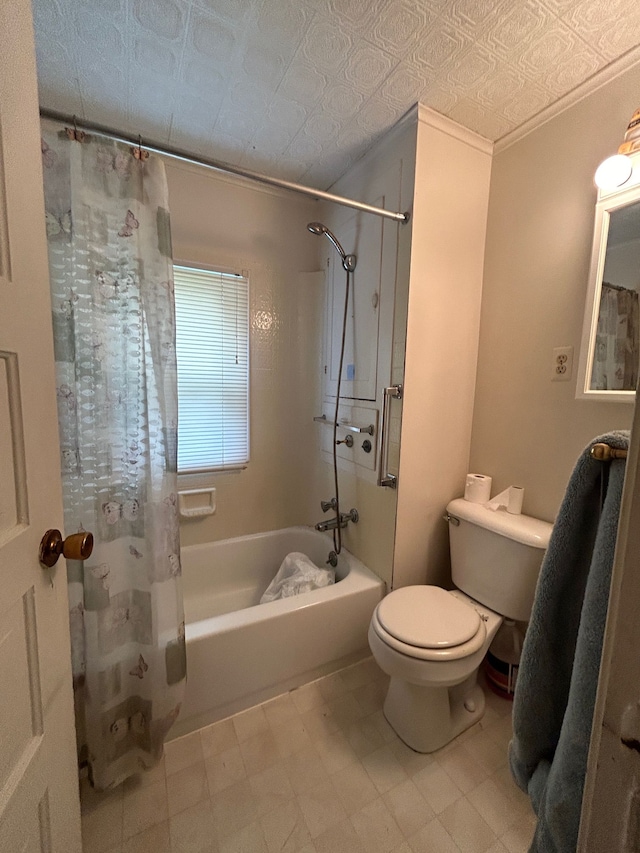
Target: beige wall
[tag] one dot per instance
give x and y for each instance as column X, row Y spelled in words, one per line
column 528, row 430
column 449, row 218
column 225, row 222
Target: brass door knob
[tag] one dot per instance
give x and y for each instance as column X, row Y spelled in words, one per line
column 77, row 546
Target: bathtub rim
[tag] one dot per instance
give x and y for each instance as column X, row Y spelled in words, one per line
column 357, row 579
column 306, row 529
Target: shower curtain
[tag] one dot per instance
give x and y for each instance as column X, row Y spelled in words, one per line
column 114, row 336
column 615, row 359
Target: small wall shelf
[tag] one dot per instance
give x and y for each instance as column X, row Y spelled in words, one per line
column 195, row 503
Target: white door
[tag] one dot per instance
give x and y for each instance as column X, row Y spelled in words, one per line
column 611, row 805
column 39, row 806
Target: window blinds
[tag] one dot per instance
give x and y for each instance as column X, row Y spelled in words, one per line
column 212, row 345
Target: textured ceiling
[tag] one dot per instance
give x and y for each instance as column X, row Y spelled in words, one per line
column 301, row 88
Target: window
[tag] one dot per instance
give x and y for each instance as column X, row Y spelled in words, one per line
column 212, row 345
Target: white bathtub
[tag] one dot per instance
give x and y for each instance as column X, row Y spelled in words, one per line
column 240, row 652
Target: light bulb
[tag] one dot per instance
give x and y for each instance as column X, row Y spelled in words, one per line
column 613, row 172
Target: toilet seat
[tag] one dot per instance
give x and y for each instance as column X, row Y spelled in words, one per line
column 428, row 623
column 427, row 617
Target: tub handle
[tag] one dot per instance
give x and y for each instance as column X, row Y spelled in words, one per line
column 384, row 478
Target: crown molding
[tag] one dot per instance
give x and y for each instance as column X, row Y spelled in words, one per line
column 447, row 125
column 588, row 87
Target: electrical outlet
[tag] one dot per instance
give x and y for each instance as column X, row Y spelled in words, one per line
column 562, row 368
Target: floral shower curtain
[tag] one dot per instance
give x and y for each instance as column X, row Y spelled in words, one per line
column 114, row 333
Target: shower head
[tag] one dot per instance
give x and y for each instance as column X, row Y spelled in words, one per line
column 348, row 261
column 316, row 228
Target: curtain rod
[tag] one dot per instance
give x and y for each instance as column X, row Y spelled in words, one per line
column 219, row 165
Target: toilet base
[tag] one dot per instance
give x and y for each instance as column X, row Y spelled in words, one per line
column 427, row 718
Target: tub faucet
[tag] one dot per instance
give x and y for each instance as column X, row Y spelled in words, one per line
column 332, row 523
column 327, row 505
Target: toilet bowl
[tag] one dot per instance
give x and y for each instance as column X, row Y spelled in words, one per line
column 431, row 641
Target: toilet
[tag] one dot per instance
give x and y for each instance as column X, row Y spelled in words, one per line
column 431, row 641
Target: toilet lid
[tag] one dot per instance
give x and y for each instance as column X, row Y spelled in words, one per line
column 427, row 617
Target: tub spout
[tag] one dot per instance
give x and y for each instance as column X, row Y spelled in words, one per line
column 332, row 523
column 328, row 524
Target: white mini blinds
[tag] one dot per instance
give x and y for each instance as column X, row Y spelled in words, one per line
column 212, row 345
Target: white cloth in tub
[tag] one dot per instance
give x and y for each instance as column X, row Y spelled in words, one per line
column 296, row 575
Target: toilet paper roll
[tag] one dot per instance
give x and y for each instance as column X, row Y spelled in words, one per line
column 510, row 500
column 477, row 488
column 500, row 501
column 516, row 496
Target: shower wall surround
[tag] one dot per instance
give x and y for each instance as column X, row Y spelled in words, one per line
column 228, row 223
column 440, row 172
column 427, row 341
column 385, row 176
column 222, row 221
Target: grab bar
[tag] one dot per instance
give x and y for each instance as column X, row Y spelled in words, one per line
column 322, row 419
column 386, row 479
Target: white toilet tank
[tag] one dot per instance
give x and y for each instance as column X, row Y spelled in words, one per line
column 496, row 556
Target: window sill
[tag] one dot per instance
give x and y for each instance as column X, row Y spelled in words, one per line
column 205, row 479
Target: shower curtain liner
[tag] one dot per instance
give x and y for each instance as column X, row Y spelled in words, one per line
column 114, row 337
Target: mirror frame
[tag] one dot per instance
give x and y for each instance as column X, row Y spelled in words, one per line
column 608, row 202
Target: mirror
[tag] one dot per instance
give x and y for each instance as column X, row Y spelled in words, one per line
column 610, row 351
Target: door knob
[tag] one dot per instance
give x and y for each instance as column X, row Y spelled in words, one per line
column 77, row 546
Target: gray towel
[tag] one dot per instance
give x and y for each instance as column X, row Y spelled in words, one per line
column 558, row 677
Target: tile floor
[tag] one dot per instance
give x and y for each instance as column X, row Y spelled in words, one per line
column 318, row 770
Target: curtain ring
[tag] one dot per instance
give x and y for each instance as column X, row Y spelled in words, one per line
column 74, row 133
column 139, row 153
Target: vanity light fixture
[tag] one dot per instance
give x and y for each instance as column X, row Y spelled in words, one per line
column 613, row 172
column 616, row 170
